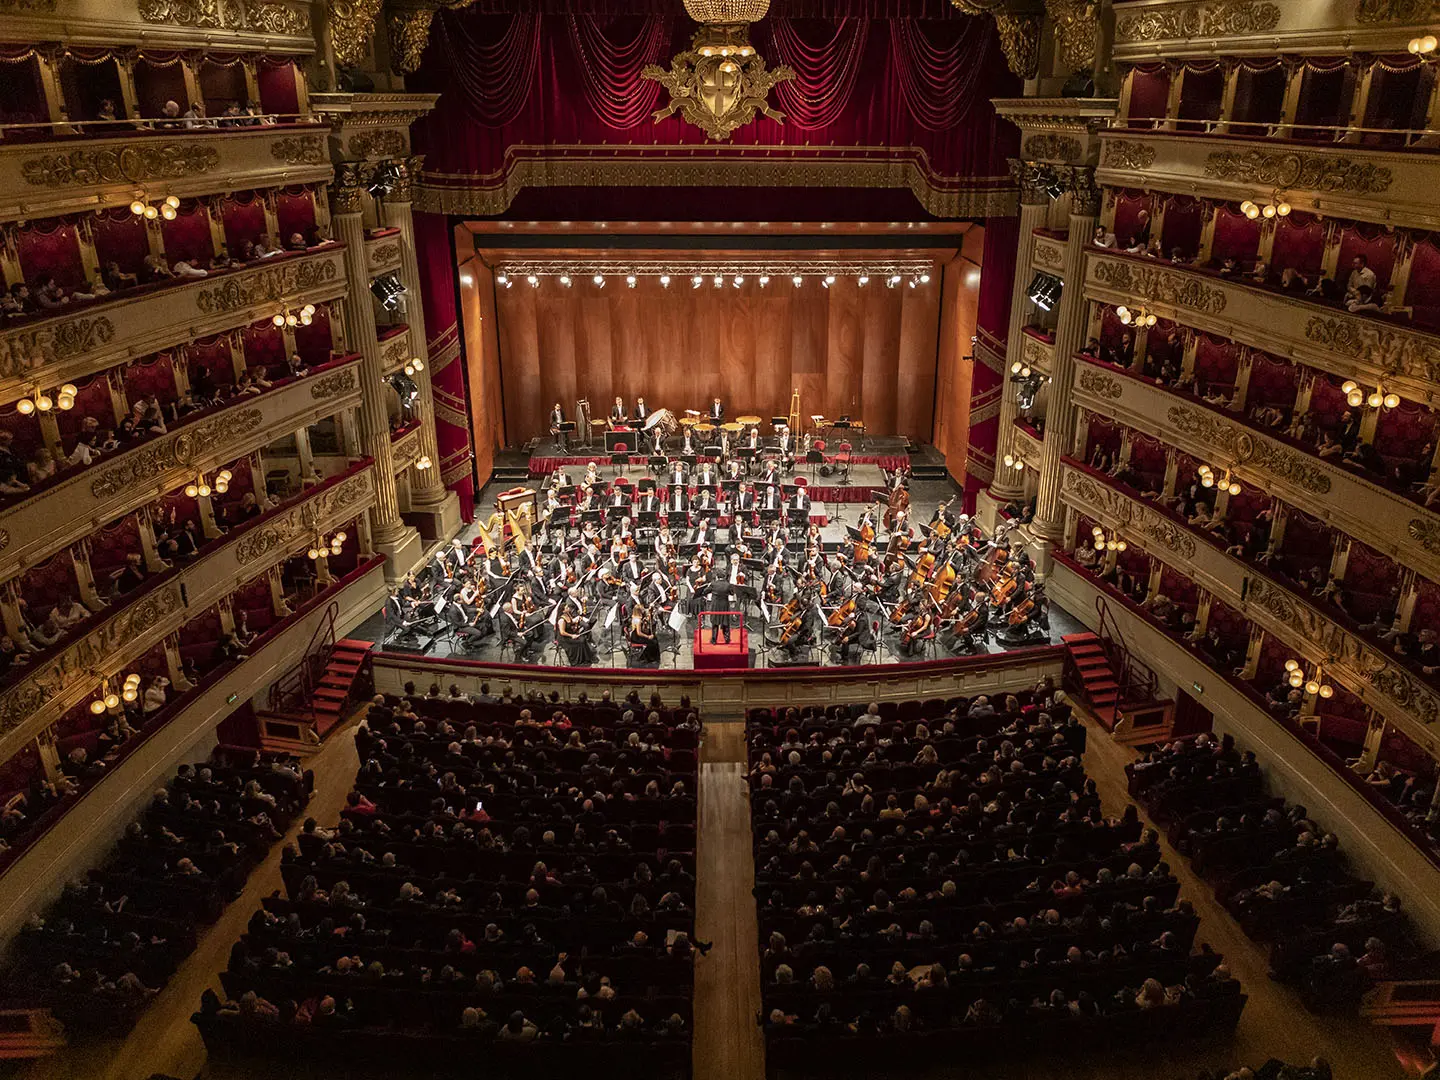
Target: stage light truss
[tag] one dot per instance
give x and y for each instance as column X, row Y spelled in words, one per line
column 827, row 272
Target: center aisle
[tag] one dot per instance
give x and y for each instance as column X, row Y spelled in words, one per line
column 728, row 1045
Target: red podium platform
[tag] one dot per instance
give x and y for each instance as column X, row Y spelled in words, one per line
column 732, row 654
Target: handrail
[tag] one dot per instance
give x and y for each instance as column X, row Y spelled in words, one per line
column 1266, row 129
column 1137, row 682
column 294, row 691
column 150, row 125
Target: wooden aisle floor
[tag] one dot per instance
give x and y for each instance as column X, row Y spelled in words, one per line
column 728, row 1045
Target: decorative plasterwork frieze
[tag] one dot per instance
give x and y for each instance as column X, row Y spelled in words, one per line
column 300, row 150
column 352, row 23
column 263, row 17
column 407, row 450
column 1220, row 19
column 1166, row 286
column 379, row 143
column 1049, row 146
column 138, row 164
column 1049, row 254
column 1291, row 169
column 49, row 690
column 25, row 350
column 1100, row 383
column 1127, row 154
column 183, row 448
column 1378, row 344
column 1136, row 517
column 269, row 285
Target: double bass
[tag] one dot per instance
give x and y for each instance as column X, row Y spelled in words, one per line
column 841, row 613
column 899, row 500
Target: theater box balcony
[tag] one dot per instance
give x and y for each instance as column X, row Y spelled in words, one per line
column 82, row 340
column 1388, row 522
column 63, row 513
column 62, row 176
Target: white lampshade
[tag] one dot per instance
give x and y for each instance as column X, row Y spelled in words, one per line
column 1327, row 691
column 1292, row 665
column 97, row 706
column 172, row 201
column 25, row 406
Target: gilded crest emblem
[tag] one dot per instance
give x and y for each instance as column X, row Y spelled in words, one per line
column 720, row 82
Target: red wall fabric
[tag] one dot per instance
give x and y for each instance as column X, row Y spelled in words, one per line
column 447, row 365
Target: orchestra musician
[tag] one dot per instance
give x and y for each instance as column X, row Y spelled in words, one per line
column 771, row 472
column 677, row 473
column 649, row 503
column 687, row 443
column 617, row 413
column 641, row 412
column 573, row 632
column 855, row 638
column 786, row 446
column 642, row 635
column 772, row 497
column 801, row 499
column 676, row 501
column 557, row 417
column 717, row 411
column 733, row 468
column 705, row 475
column 704, row 502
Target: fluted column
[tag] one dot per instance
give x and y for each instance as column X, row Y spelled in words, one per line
column 1069, row 337
column 1034, row 203
column 427, row 486
column 346, row 207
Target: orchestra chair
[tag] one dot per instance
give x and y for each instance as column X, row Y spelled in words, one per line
column 842, row 460
column 633, row 651
column 620, row 457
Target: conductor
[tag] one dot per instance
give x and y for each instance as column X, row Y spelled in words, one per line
column 720, row 602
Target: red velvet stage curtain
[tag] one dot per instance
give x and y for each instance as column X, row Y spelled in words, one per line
column 1002, row 241
column 447, row 365
column 867, row 352
column 920, row 86
column 825, row 71
column 610, row 71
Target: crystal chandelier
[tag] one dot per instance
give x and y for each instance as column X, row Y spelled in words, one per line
column 727, row 12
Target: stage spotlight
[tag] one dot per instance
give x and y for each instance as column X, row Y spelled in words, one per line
column 664, row 281
column 502, row 279
column 565, row 280
column 388, row 291
column 697, row 281
column 797, row 280
column 599, row 280
column 532, row 281
column 719, row 281
column 466, row 279
column 764, row 280
column 384, row 179
column 863, row 280
column 739, row 280
column 912, row 283
column 924, row 279
column 892, row 281
column 630, row 280
column 1044, row 291
column 828, row 280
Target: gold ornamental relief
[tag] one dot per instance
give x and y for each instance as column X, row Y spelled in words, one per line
column 129, row 164
column 1051, row 147
column 719, row 83
column 1124, row 154
column 1020, row 41
column 352, row 23
column 299, row 150
column 267, row 285
column 259, row 18
column 1228, row 17
column 381, row 143
column 1307, row 172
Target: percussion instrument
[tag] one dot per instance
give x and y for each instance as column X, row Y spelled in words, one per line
column 734, row 427
column 690, row 421
column 747, row 420
column 705, row 430
column 663, row 419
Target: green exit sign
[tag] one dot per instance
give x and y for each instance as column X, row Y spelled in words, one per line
column 231, row 699
column 1198, row 688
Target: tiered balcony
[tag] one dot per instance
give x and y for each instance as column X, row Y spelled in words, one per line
column 1385, row 520
column 115, row 485
column 84, row 339
column 1369, row 350
column 52, row 684
column 1151, row 29
column 1339, row 180
column 1308, row 630
column 61, row 176
column 382, row 252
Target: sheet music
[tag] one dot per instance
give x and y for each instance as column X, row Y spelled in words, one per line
column 677, row 619
column 610, row 616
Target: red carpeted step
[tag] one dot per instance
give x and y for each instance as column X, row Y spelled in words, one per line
column 1078, row 638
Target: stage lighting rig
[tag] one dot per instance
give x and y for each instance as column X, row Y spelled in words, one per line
column 1044, row 291
column 388, row 291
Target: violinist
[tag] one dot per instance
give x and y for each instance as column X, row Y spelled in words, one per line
column 592, row 475
column 513, row 628
column 574, row 637
column 642, row 635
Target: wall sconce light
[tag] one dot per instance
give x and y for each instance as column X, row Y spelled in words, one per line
column 326, row 547
column 1225, row 483
column 109, row 699
column 40, row 401
column 1112, row 543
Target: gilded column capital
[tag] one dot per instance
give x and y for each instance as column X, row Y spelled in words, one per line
column 402, row 185
column 1020, row 41
column 409, row 30
column 1033, row 181
column 349, row 183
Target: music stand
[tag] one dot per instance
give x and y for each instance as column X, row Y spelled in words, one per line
column 814, row 458
column 562, row 429
column 658, row 463
column 620, row 458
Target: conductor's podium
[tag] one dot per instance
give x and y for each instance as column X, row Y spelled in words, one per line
column 734, row 653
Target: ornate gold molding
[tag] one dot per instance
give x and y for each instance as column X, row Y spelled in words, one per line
column 1084, row 194
column 26, row 350
column 1297, row 171
column 352, row 22
column 333, row 384
column 1020, row 41
column 1277, row 461
column 1227, row 17
column 303, row 520
column 28, row 7
column 380, row 143
column 259, row 18
column 299, row 150
column 183, row 448
column 1100, row 383
column 115, row 165
column 1392, row 350
column 1049, row 256
column 1125, row 154
column 1163, row 286
column 1075, row 27
column 409, row 34
column 1135, row 517
column 271, row 284
column 346, row 193
column 718, row 93
column 1052, row 147
column 945, row 197
column 1397, row 11
column 1426, row 533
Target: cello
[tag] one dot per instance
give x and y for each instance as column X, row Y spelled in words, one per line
column 899, row 500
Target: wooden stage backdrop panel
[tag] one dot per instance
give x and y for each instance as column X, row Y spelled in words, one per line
column 869, row 352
